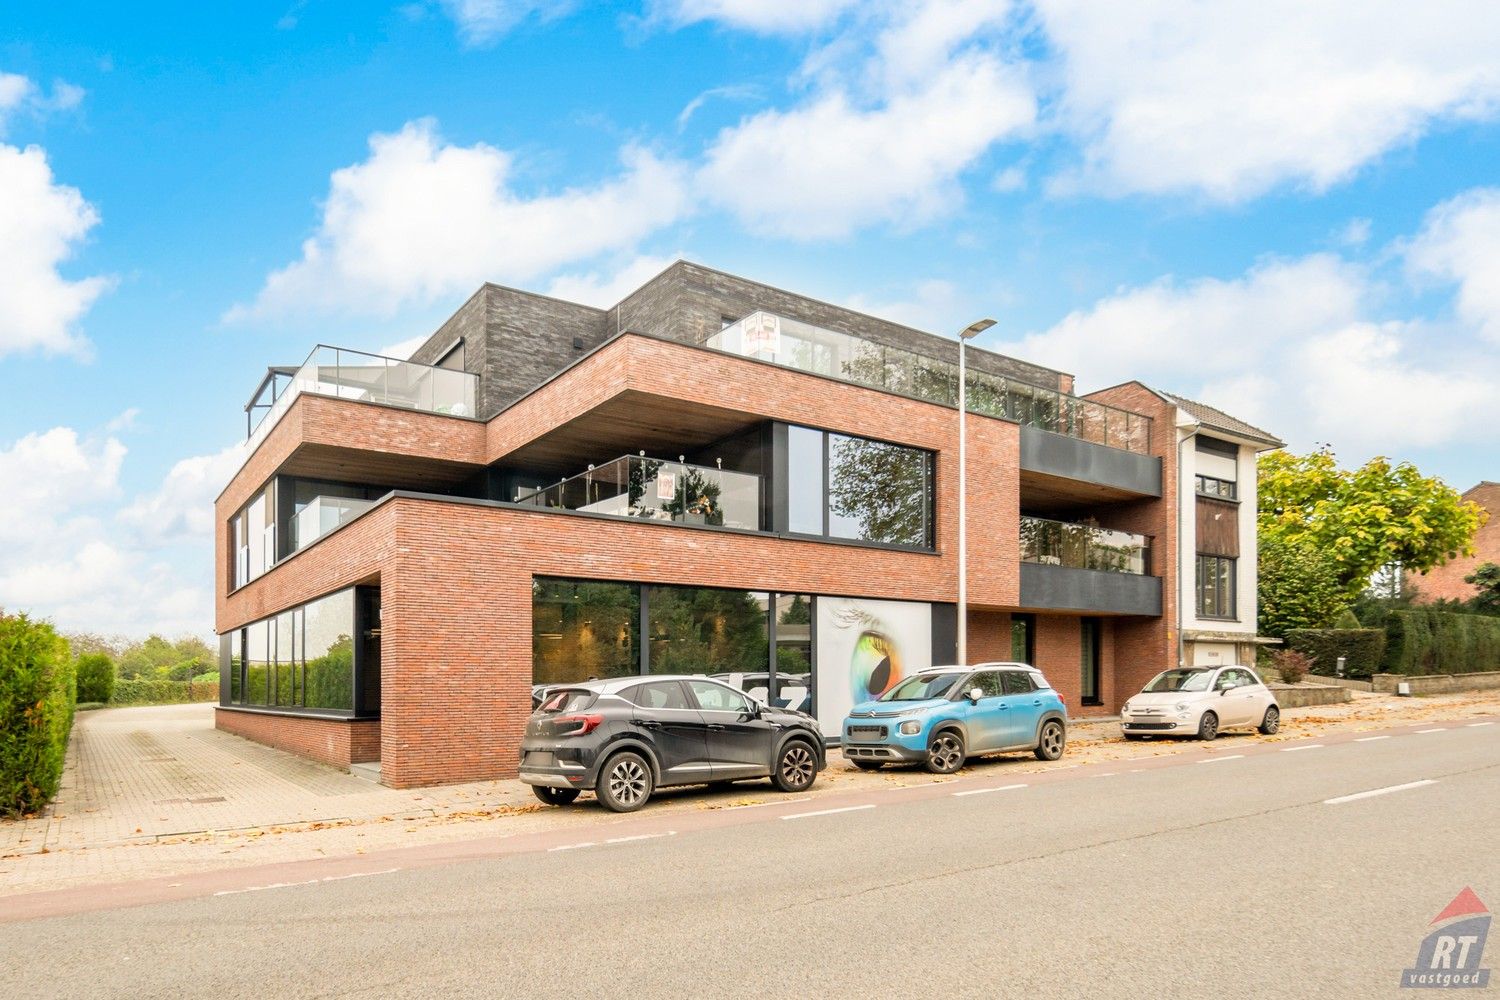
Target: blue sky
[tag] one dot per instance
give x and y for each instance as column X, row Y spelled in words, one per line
column 1290, row 213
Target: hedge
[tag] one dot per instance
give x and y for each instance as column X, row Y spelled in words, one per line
column 1361, row 649
column 36, row 713
column 1427, row 641
column 161, row 692
column 95, row 673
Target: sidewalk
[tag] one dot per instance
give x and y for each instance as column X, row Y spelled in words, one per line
column 158, row 791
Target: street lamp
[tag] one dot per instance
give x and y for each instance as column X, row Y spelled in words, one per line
column 968, row 333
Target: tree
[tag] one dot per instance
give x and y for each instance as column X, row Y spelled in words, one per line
column 1486, row 579
column 1299, row 587
column 154, row 658
column 1365, row 518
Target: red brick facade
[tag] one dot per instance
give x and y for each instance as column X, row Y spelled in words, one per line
column 1447, row 581
column 455, row 577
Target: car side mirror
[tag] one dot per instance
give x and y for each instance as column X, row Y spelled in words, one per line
column 975, row 694
column 1225, row 691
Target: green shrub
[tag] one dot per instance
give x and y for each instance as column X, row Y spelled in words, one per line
column 1346, row 619
column 1361, row 649
column 96, row 677
column 1428, row 641
column 162, row 692
column 36, row 713
column 88, row 706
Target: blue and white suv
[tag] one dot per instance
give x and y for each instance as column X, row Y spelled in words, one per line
column 944, row 715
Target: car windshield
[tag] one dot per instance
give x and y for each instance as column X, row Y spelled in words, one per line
column 1179, row 680
column 922, row 687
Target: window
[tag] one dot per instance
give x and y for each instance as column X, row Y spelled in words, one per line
column 1022, row 639
column 840, row 486
column 1216, row 587
column 1018, row 682
column 1089, row 631
column 307, row 657
column 1209, row 486
column 659, row 694
column 988, row 682
column 582, row 629
column 713, row 697
column 1227, row 680
column 703, row 630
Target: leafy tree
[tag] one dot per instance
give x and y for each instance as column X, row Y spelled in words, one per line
column 1365, row 518
column 799, row 612
column 1299, row 586
column 1487, row 580
column 95, row 673
column 154, row 658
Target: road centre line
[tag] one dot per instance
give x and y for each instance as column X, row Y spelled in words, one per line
column 1378, row 791
column 1306, row 746
column 311, row 881
column 1215, row 760
column 1369, row 739
column 1476, row 725
column 640, row 836
column 830, row 812
column 981, row 791
column 573, row 847
column 1439, row 729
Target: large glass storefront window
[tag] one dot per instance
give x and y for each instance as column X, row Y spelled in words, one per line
column 582, row 629
column 700, row 630
column 793, row 686
column 850, row 487
column 308, row 657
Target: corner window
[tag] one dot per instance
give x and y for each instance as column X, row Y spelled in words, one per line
column 841, row 486
column 1216, row 587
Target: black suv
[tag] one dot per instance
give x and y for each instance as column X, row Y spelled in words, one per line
column 627, row 736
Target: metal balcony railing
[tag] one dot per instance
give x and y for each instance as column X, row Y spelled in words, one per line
column 1084, row 546
column 658, row 489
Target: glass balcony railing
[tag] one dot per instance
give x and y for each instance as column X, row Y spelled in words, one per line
column 346, row 374
column 321, row 515
column 657, row 489
column 794, row 344
column 1084, row 546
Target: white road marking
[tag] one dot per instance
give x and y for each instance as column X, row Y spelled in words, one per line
column 311, row 881
column 1476, row 725
column 1106, row 774
column 830, row 812
column 1439, row 729
column 981, row 791
column 1215, row 760
column 640, row 836
column 1368, row 739
column 1305, row 746
column 1379, row 791
column 572, row 847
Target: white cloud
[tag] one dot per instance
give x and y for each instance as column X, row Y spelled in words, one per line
column 1230, row 99
column 932, row 307
column 18, row 93
column 603, row 289
column 833, row 165
column 404, row 349
column 1293, row 346
column 42, row 223
column 481, row 22
column 74, row 556
column 421, row 219
column 1460, row 243
column 763, row 16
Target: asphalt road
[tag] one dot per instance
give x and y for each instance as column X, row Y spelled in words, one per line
column 1231, row 876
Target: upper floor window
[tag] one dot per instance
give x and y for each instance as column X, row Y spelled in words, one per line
column 1210, row 486
column 253, row 534
column 857, row 488
column 1216, row 587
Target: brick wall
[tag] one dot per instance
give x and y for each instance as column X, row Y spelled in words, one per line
column 1447, row 580
column 339, row 742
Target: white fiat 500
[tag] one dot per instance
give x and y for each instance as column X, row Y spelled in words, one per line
column 1201, row 702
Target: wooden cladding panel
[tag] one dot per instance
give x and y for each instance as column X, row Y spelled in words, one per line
column 1218, row 528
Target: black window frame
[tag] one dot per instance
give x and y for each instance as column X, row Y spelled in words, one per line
column 1224, row 608
column 1216, row 488
column 782, row 493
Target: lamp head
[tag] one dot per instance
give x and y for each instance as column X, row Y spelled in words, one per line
column 975, row 329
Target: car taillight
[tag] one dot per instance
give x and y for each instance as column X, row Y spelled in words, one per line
column 1061, row 698
column 576, row 725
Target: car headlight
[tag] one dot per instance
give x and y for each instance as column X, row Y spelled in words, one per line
column 1182, row 706
column 911, row 727
column 1125, row 707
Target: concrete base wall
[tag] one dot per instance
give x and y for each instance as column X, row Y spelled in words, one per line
column 339, row 742
column 1343, row 682
column 1304, row 695
column 1437, row 683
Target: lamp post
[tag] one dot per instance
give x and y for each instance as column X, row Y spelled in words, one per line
column 968, row 333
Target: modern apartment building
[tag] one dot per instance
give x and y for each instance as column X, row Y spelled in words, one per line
column 712, row 476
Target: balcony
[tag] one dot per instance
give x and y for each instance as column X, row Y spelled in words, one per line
column 321, row 515
column 794, row 344
column 369, row 378
column 1081, row 567
column 658, row 490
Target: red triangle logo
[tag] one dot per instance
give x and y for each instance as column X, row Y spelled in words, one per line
column 1463, row 905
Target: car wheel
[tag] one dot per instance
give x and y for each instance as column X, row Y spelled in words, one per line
column 1208, row 726
column 555, row 796
column 945, row 754
column 1049, row 745
column 867, row 765
column 625, row 783
column 1271, row 722
column 796, row 769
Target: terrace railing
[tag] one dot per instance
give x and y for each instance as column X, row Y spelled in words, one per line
column 1084, row 546
column 658, row 489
